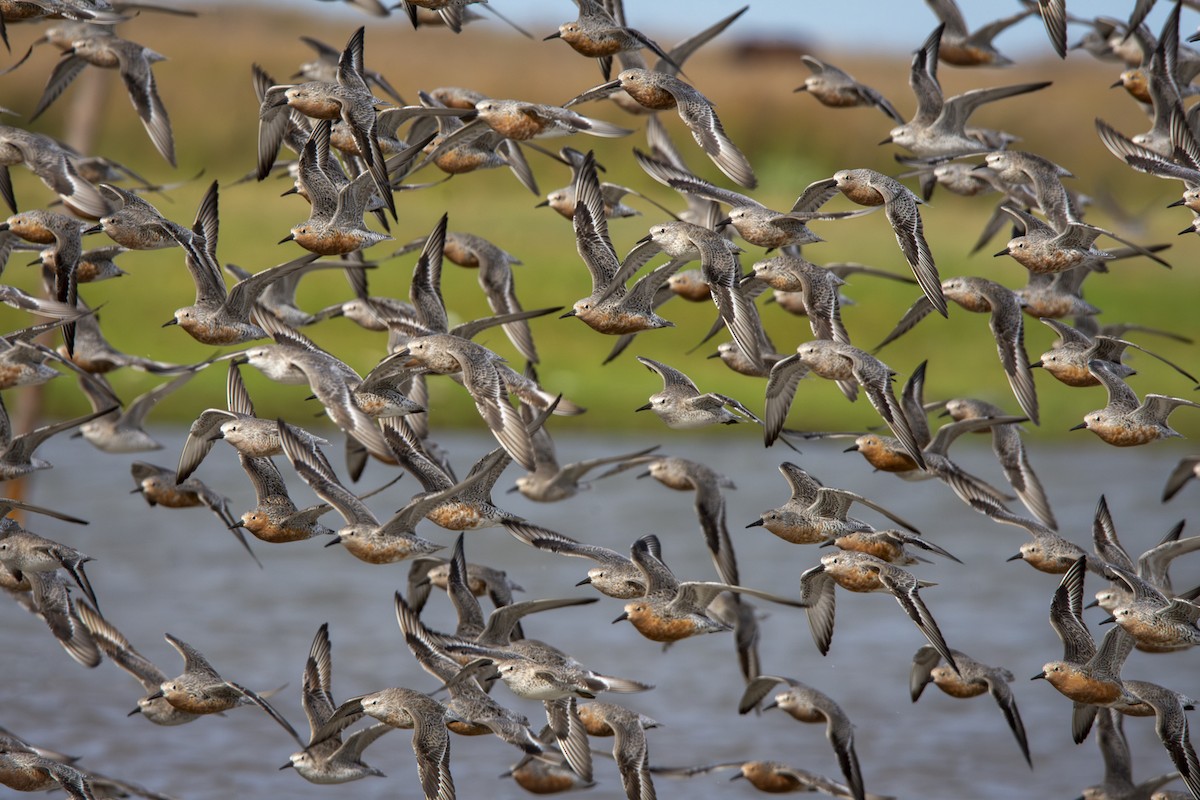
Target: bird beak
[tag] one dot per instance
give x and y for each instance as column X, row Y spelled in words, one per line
column 1003, row 252
column 853, row 449
column 1108, row 619
column 714, row 355
column 1017, row 557
column 170, row 322
column 756, row 523
column 238, row 524
column 1040, row 675
column 1178, row 202
column 1114, row 85
column 512, row 489
column 555, row 35
column 802, row 88
column 137, row 710
column 138, row 490
column 157, row 695
column 585, row 582
column 888, row 140
column 1080, row 426
column 770, row 705
column 624, row 616
column 338, row 540
column 98, row 227
column 1037, row 363
column 1186, row 231
column 542, row 204
column 290, row 237
column 641, row 475
column 645, row 238
column 723, row 222
column 570, row 313
column 287, row 765
column 643, row 408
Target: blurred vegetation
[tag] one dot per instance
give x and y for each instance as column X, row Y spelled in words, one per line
column 790, row 139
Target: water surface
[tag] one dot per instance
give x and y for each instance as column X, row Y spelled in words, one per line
column 160, row 570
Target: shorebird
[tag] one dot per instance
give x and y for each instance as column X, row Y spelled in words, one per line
column 335, row 223
column 629, row 744
column 1067, row 360
column 161, row 486
column 815, row 513
column 564, row 200
column 496, row 280
column 1010, row 451
column 681, row 405
column 17, row 452
column 469, row 509
column 24, row 770
column 50, row 600
column 235, row 424
column 806, row 704
column 596, row 34
column 771, row 777
column 275, row 517
column 860, row 572
column 850, row 367
column 332, row 760
column 1005, row 321
column 200, row 690
column 972, row 679
column 552, row 481
column 324, row 67
column 836, row 88
column 610, row 308
column 866, row 187
column 133, row 60
column 1048, row 552
column 753, row 221
column 51, row 162
column 398, row 707
column 363, row 535
column 1184, row 471
column 474, row 712
column 348, row 99
column 1124, row 422
column 963, row 48
column 670, row 610
column 118, row 649
column 617, row 576
column 659, row 91
column 1087, row 675
column 938, row 128
column 1152, row 566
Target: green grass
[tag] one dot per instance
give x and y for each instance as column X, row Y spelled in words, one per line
column 790, row 139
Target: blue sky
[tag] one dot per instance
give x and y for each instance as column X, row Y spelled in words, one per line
column 889, row 24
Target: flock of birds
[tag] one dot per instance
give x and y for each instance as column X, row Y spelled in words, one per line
column 353, row 150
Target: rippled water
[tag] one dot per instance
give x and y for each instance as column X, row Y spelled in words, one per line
column 160, row 570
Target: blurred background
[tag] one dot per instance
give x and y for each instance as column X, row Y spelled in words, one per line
column 158, row 570
column 749, row 72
